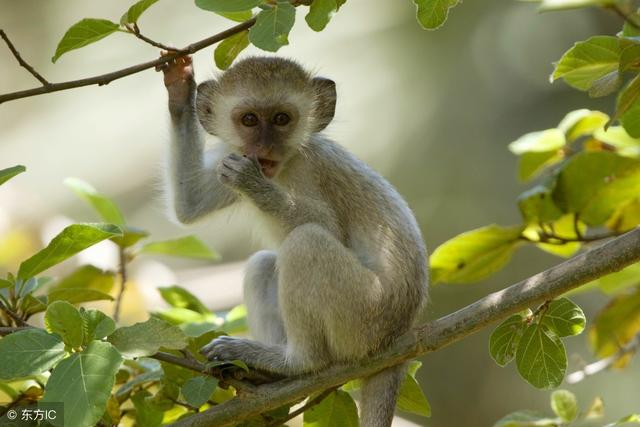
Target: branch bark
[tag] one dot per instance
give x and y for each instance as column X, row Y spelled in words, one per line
column 104, row 79
column 608, row 258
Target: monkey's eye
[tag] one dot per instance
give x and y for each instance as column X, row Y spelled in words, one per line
column 249, row 119
column 281, row 119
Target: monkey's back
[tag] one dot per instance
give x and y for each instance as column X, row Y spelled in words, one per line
column 376, row 223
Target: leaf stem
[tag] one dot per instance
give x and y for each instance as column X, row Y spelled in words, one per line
column 311, row 403
column 135, row 30
column 122, row 272
column 19, row 321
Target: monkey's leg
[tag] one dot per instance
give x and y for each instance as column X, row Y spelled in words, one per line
column 328, row 302
column 261, row 299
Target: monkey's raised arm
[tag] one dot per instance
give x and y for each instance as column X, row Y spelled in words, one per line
column 195, row 188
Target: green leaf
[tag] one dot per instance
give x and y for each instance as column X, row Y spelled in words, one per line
column 83, row 384
column 147, row 414
column 320, row 13
column 594, row 184
column 628, row 107
column 104, row 206
column 145, row 339
column 87, row 277
column 505, row 338
column 630, row 58
column 537, row 206
column 227, row 5
column 532, row 163
column 541, row 357
column 198, row 390
column 235, row 321
column 412, row 399
column 564, row 404
column 582, row 122
column 474, row 255
column 188, row 247
column 65, row 320
column 8, row 173
column 228, row 50
column 271, row 30
column 78, row 295
column 432, row 14
column 336, row 410
column 237, row 16
column 616, row 325
column 82, row 33
column 564, row 318
column 587, row 61
column 97, row 325
column 181, row 298
column 633, row 418
column 563, row 227
column 537, row 142
column 131, row 16
column 606, row 85
column 617, row 136
column 130, row 236
column 29, row 352
column 527, row 419
column 69, row 242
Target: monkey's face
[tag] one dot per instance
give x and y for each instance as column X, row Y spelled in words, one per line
column 267, row 132
column 266, row 108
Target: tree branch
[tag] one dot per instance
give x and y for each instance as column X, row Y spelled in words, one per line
column 607, row 258
column 604, row 364
column 21, row 61
column 104, row 79
column 7, row 330
column 135, row 30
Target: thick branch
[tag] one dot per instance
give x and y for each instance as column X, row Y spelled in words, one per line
column 608, row 258
column 21, row 61
column 109, row 77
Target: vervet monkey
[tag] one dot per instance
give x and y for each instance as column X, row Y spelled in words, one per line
column 350, row 273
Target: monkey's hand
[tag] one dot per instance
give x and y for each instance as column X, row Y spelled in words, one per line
column 179, row 81
column 242, row 173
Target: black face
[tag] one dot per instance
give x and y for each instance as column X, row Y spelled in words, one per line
column 266, row 132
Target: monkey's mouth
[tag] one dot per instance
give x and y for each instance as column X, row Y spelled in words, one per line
column 269, row 167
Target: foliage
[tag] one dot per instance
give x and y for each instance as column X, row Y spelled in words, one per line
column 274, row 19
column 99, row 369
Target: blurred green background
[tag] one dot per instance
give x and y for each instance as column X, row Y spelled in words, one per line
column 432, row 111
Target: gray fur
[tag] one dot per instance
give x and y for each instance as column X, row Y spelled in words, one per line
column 349, row 275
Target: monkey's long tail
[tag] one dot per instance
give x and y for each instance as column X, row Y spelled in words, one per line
column 379, row 395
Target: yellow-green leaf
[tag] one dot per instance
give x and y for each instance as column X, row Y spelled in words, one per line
column 227, row 51
column 474, row 255
column 84, row 32
column 432, row 14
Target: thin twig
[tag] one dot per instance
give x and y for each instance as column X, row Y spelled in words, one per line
column 554, row 239
column 122, row 272
column 104, row 79
column 606, row 363
column 311, row 403
column 8, row 330
column 625, row 16
column 19, row 320
column 21, row 61
column 135, row 30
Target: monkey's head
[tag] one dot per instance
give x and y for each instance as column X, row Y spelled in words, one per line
column 266, row 107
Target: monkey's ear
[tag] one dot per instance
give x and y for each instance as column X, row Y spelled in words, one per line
column 325, row 105
column 205, row 98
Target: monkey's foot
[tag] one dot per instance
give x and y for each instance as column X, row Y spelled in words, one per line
column 268, row 359
column 226, row 348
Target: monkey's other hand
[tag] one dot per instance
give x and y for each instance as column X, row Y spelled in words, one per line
column 178, row 79
column 226, row 348
column 240, row 172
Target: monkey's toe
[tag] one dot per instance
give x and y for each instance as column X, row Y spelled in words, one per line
column 224, row 348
